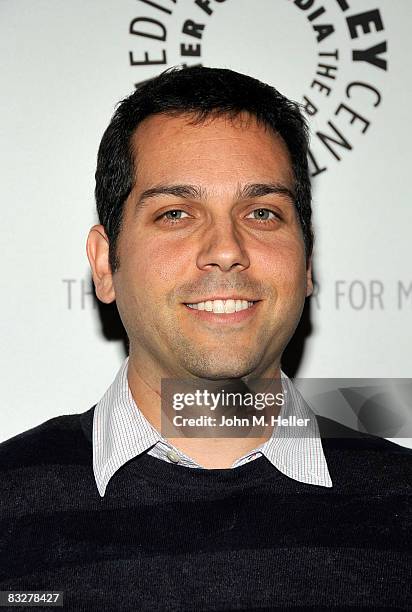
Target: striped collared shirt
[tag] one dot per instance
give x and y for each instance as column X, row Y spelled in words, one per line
column 121, row 432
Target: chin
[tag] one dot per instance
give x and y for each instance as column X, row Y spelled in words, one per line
column 220, row 371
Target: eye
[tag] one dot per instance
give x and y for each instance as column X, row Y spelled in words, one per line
column 263, row 218
column 165, row 218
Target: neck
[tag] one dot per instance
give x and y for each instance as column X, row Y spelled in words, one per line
column 214, row 451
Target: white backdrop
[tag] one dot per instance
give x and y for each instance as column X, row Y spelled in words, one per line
column 64, row 67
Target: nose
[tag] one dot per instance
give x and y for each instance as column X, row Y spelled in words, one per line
column 222, row 246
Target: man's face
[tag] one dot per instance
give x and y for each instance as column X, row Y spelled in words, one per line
column 216, row 244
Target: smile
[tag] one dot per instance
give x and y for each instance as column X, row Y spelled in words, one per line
column 222, row 306
column 223, row 311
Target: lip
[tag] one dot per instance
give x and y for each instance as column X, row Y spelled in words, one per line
column 228, row 297
column 224, row 319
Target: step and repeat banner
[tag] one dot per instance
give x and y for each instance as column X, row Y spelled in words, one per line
column 65, row 65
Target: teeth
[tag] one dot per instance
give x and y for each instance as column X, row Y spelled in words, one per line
column 219, row 306
column 222, row 306
column 230, row 306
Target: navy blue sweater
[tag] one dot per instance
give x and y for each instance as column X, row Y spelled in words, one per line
column 168, row 537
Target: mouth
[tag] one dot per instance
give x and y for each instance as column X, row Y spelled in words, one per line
column 223, row 311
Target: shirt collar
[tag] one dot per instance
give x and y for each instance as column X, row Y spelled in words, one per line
column 121, row 432
column 297, row 451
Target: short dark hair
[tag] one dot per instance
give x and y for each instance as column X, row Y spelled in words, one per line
column 202, row 92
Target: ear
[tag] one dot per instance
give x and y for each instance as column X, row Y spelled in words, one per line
column 309, row 280
column 97, row 248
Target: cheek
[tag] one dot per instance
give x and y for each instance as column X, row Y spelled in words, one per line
column 157, row 263
column 283, row 265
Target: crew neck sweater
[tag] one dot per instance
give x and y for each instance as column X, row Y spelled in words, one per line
column 168, row 537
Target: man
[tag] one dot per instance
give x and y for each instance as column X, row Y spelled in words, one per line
column 205, row 244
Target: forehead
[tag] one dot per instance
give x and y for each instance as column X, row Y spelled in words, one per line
column 220, row 148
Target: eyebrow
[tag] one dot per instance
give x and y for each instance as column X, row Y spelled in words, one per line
column 194, row 192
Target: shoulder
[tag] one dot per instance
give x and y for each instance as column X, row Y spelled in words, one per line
column 365, row 461
column 336, row 435
column 61, row 439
